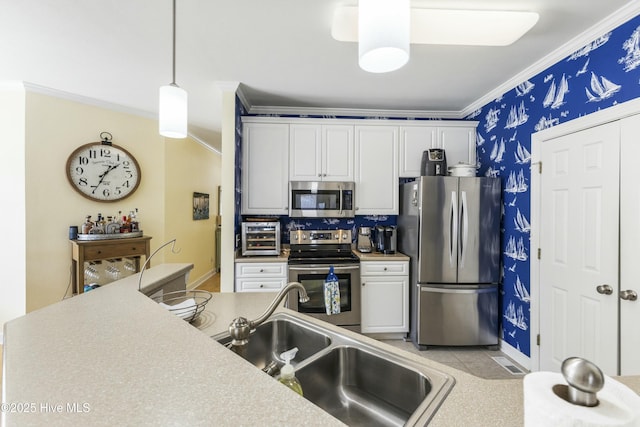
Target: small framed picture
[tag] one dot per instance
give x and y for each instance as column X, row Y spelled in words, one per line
column 200, row 206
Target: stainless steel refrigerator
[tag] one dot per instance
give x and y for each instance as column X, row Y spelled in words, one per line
column 450, row 228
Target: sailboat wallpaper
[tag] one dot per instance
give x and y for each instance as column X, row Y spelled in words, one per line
column 601, row 74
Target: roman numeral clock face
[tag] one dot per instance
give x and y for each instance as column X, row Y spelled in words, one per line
column 103, row 172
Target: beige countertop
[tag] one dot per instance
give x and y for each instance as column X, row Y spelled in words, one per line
column 114, row 357
column 377, row 256
column 284, row 257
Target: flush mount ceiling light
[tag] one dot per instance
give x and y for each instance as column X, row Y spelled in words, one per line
column 383, row 33
column 447, row 27
column 173, row 100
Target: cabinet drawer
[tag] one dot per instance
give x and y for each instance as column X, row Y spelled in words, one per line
column 114, row 251
column 248, row 270
column 381, row 268
column 254, row 285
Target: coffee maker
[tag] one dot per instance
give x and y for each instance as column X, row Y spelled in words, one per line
column 386, row 239
column 364, row 240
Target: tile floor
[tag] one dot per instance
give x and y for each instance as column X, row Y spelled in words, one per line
column 473, row 360
column 476, row 361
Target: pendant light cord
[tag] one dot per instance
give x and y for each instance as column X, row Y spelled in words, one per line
column 173, row 81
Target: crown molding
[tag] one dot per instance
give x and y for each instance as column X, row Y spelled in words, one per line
column 619, row 17
column 352, row 112
column 43, row 90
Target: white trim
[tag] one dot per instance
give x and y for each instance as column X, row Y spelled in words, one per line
column 619, row 17
column 204, row 144
column 617, row 112
column 514, row 354
column 2, row 340
column 202, row 279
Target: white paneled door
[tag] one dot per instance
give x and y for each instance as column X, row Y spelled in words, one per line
column 629, row 246
column 579, row 235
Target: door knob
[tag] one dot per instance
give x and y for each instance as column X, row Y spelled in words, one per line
column 628, row 295
column 604, row 289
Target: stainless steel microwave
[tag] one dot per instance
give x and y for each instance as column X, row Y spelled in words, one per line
column 316, row 199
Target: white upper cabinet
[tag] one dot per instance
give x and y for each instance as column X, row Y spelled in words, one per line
column 265, row 167
column 459, row 144
column 321, row 152
column 413, row 141
column 458, row 139
column 376, row 170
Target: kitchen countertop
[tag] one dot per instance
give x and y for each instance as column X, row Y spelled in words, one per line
column 378, row 256
column 123, row 360
column 284, row 257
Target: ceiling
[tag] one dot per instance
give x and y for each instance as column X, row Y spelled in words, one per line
column 281, row 51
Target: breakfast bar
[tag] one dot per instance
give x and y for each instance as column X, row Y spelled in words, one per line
column 112, row 356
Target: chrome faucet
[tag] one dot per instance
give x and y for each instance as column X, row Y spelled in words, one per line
column 240, row 327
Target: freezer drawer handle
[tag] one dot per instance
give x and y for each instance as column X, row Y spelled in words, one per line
column 456, row 289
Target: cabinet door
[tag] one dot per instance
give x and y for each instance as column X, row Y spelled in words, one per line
column 265, row 168
column 414, row 140
column 305, row 153
column 385, row 304
column 459, row 144
column 337, row 153
column 376, row 170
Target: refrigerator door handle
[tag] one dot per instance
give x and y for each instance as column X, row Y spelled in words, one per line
column 453, row 229
column 464, row 227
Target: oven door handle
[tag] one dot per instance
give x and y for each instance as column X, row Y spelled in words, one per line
column 319, row 267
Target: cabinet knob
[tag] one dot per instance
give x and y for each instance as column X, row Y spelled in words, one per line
column 363, row 283
column 385, row 269
column 261, row 285
column 261, row 270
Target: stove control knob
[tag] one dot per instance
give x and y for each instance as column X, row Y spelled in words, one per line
column 304, row 237
column 344, row 236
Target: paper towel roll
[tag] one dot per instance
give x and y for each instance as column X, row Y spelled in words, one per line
column 618, row 404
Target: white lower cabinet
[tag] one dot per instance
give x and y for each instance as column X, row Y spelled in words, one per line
column 260, row 277
column 385, row 296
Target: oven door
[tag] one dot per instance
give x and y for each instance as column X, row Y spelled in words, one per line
column 312, row 278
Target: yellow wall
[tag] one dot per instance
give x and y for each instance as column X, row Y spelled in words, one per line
column 189, row 168
column 54, row 128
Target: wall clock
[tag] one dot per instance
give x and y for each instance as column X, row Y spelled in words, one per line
column 103, row 172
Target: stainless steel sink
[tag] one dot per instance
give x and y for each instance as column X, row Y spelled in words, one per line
column 276, row 336
column 360, row 384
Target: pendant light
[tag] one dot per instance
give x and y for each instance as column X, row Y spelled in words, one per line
column 173, row 101
column 383, row 34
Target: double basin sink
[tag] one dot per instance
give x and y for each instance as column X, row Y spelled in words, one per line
column 357, row 383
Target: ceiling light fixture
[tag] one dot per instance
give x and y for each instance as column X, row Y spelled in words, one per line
column 173, row 101
column 447, row 27
column 383, row 34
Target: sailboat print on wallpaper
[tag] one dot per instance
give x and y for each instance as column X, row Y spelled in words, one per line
column 516, row 251
column 516, row 319
column 524, row 88
column 601, row 88
column 498, row 151
column 522, row 155
column 520, row 291
column 521, row 223
column 491, row 119
column 555, row 95
column 632, row 45
column 517, row 117
column 516, row 184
